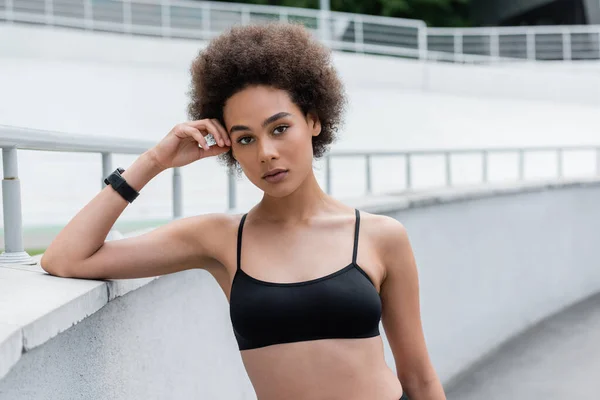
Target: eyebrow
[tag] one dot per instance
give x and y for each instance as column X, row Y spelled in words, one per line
column 266, row 122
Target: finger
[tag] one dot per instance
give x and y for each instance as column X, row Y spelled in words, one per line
column 222, row 130
column 210, row 127
column 195, row 134
column 202, row 125
column 215, row 151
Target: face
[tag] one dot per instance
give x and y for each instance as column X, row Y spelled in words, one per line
column 269, row 133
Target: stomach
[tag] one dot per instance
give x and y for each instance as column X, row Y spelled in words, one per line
column 332, row 369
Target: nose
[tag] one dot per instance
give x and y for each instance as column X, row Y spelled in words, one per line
column 267, row 150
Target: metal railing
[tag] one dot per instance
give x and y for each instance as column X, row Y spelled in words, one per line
column 447, row 154
column 522, row 42
column 341, row 31
column 14, row 138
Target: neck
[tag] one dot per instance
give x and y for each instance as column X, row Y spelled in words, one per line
column 305, row 202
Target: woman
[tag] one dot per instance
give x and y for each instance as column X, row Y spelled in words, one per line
column 307, row 327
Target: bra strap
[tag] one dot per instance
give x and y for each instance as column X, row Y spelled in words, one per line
column 356, row 229
column 239, row 242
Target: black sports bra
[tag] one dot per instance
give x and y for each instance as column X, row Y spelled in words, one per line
column 344, row 304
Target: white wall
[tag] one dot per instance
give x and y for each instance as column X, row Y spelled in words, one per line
column 491, row 264
column 491, row 267
column 170, row 339
column 110, row 84
column 70, row 80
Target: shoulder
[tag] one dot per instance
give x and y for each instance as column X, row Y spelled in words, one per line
column 389, row 239
column 216, row 222
column 208, row 231
column 386, row 230
column 211, row 235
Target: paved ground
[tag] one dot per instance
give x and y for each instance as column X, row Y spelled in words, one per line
column 557, row 359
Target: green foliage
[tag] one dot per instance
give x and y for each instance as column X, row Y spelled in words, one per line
column 34, row 252
column 433, row 12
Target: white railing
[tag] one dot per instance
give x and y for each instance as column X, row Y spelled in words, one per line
column 341, row 31
column 14, row 138
column 522, row 42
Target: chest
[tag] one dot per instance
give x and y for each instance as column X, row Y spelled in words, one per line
column 307, row 253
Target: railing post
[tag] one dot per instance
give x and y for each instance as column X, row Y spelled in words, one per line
column 423, row 45
column 14, row 252
column 531, row 50
column 88, row 13
column 127, row 16
column 359, row 40
column 325, row 26
column 566, row 45
column 495, row 44
column 177, row 194
column 448, row 169
column 458, row 45
column 328, row 174
column 165, row 18
column 407, row 171
column 49, row 11
column 283, row 15
column 559, row 163
column 368, row 173
column 9, row 11
column 521, row 165
column 107, row 168
column 231, row 190
column 245, row 16
column 205, row 19
column 484, row 167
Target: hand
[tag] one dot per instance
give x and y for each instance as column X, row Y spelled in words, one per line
column 180, row 146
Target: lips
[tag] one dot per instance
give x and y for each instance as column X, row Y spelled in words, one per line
column 275, row 176
column 274, row 172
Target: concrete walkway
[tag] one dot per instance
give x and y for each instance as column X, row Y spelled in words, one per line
column 557, row 359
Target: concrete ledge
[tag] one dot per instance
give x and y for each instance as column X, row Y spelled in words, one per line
column 35, row 307
column 403, row 201
column 11, row 345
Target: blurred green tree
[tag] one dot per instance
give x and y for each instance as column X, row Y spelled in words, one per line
column 433, row 12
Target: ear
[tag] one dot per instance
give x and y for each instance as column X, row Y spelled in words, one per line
column 314, row 124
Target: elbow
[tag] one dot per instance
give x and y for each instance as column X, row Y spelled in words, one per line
column 45, row 264
column 52, row 267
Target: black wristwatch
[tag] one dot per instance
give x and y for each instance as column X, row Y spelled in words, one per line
column 121, row 186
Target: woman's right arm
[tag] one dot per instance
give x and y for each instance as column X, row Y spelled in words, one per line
column 80, row 250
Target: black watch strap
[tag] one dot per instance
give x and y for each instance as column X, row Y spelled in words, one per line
column 121, row 186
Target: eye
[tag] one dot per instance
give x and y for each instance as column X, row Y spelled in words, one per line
column 284, row 127
column 244, row 140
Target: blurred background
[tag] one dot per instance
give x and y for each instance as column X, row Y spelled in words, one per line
column 420, row 75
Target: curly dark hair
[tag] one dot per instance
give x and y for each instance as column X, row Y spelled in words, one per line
column 281, row 55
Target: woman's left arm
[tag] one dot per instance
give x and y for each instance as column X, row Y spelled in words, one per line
column 401, row 314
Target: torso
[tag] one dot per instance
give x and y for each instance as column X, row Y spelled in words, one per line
column 348, row 369
column 332, row 369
